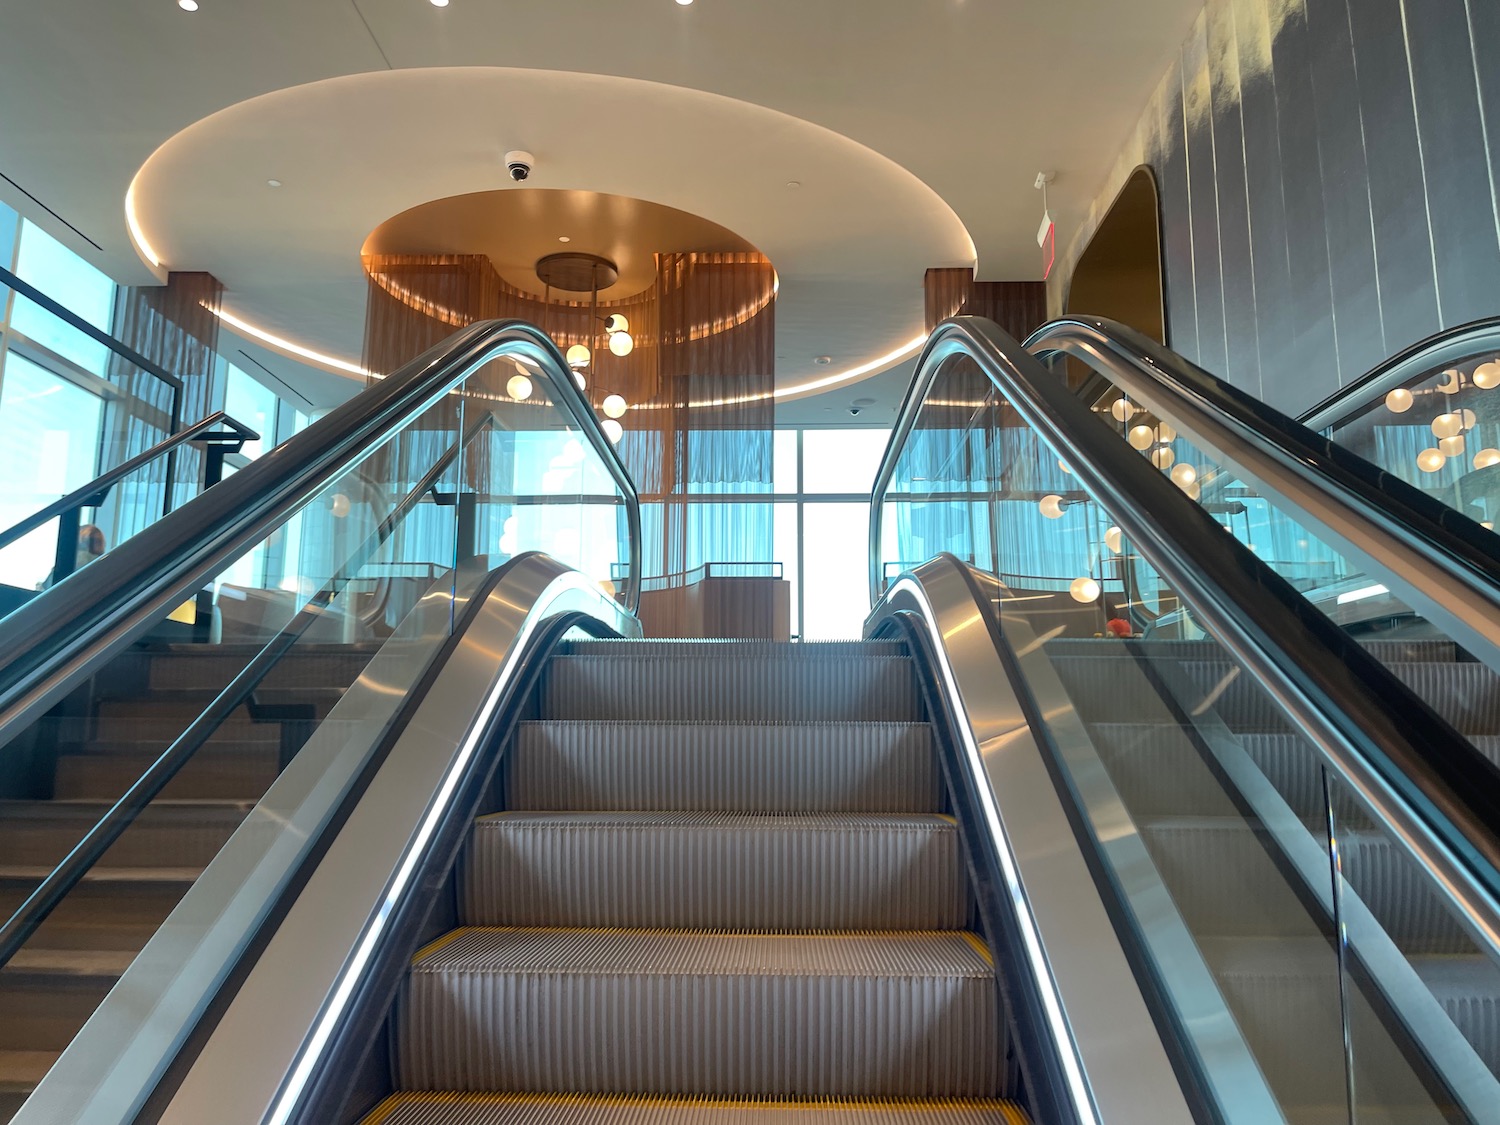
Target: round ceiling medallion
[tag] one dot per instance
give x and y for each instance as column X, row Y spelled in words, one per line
column 577, row 272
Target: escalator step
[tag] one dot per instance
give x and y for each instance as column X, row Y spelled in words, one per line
column 716, row 871
column 837, row 688
column 187, row 833
column 562, row 1109
column 729, row 1015
column 732, row 650
column 730, row 767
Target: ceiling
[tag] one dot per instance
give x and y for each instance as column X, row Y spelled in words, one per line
column 914, row 129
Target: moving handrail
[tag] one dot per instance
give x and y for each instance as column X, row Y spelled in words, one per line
column 92, row 494
column 70, row 630
column 1416, row 774
column 1439, row 561
column 1436, row 352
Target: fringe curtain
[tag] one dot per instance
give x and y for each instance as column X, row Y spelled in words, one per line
column 174, row 326
column 699, row 382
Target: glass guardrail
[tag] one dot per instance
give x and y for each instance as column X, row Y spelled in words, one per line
column 115, row 800
column 1305, row 961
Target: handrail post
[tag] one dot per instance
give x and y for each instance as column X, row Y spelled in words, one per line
column 65, row 560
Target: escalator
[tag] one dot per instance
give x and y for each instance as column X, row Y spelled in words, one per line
column 1104, row 821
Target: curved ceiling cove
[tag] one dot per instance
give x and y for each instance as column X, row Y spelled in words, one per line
column 850, row 241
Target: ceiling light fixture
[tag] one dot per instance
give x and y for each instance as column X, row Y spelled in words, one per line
column 281, row 344
column 188, row 5
column 439, row 3
column 563, row 238
column 273, row 183
column 683, row 3
column 133, row 222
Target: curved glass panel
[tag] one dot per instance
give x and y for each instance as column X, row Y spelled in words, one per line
column 1308, row 967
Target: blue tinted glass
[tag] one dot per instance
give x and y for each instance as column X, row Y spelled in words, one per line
column 9, row 221
column 72, row 283
column 254, row 405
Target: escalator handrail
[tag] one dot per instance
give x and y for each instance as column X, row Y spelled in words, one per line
column 1443, row 349
column 79, row 497
column 1440, row 796
column 1436, row 553
column 65, row 633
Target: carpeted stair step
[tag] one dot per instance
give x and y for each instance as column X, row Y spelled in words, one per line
column 704, row 685
column 727, row 767
column 711, row 1014
column 716, row 871
column 20, row 1071
column 218, row 771
column 167, row 833
column 46, row 1000
column 431, row 1108
column 113, row 908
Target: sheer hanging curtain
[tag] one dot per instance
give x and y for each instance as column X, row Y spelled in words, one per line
column 698, row 382
column 175, row 326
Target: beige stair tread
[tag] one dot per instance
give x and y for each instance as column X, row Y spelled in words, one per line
column 99, row 873
column 20, row 1071
column 72, row 962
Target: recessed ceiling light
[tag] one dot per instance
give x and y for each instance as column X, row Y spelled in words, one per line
column 684, row 3
column 794, row 184
column 273, row 183
column 822, row 360
column 439, row 3
column 188, row 5
column 563, row 238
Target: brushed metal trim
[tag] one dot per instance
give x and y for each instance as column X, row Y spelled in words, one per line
column 1089, row 993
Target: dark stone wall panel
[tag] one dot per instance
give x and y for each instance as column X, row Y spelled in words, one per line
column 1242, row 359
column 1328, row 185
column 1454, row 162
column 1203, row 198
column 1314, row 360
column 1357, row 322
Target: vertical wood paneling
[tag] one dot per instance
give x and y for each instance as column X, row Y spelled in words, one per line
column 1203, row 199
column 1357, row 320
column 1454, row 161
column 1242, row 359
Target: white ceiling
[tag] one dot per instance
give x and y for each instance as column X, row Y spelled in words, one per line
column 925, row 120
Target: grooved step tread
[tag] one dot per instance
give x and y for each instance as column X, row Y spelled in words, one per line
column 751, row 766
column 708, row 870
column 431, row 1108
column 586, row 952
column 620, row 648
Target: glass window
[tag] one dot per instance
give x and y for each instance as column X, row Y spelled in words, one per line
column 247, row 401
column 9, row 224
column 784, row 550
column 49, row 441
column 835, row 579
column 841, row 460
column 784, row 462
column 71, row 282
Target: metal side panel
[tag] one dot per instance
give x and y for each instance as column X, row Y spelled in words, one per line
column 300, row 976
column 1112, row 1058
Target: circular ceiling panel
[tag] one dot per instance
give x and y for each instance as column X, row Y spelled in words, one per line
column 850, row 243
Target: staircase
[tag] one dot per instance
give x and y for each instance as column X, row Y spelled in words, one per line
column 1272, row 954
column 722, row 888
column 131, row 713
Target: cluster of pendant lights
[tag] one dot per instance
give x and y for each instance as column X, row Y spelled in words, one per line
column 1452, row 428
column 1155, row 441
column 579, row 357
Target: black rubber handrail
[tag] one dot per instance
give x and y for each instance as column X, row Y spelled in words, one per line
column 1436, row 352
column 1420, row 776
column 58, row 638
column 92, row 494
column 1440, row 561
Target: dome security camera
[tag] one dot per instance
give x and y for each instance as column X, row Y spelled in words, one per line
column 854, row 411
column 519, row 164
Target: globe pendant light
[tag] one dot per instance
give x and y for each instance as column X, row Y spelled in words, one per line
column 620, row 343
